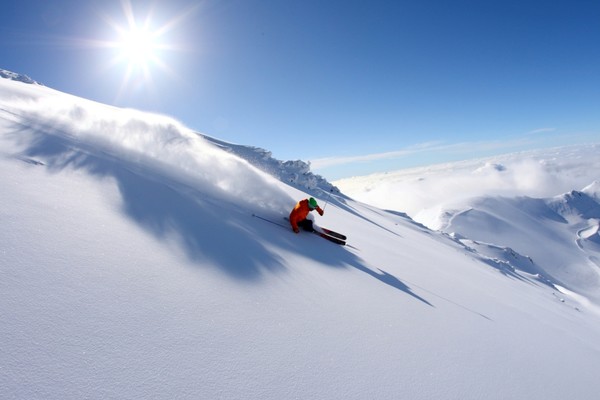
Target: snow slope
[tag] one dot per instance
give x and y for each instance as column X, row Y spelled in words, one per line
column 558, row 235
column 133, row 268
column 509, row 207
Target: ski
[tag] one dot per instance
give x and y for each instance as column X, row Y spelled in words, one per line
column 333, row 233
column 324, row 235
column 330, row 238
column 268, row 220
column 327, row 232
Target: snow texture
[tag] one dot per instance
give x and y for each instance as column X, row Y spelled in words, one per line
column 132, row 267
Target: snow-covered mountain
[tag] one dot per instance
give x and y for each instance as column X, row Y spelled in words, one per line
column 558, row 235
column 17, row 77
column 489, row 205
column 296, row 173
column 133, row 267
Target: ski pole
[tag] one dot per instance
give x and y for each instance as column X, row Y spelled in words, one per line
column 268, row 220
column 328, row 197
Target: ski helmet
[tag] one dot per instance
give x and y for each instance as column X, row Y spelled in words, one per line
column 312, row 203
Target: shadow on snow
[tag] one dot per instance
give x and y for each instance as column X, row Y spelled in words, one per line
column 203, row 226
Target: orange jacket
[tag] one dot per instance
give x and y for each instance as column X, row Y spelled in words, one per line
column 300, row 212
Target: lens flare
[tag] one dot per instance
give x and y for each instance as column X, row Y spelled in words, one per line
column 141, row 46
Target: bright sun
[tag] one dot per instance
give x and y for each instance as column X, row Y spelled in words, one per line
column 142, row 44
column 139, row 47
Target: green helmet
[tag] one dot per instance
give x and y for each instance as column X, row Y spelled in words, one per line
column 312, row 203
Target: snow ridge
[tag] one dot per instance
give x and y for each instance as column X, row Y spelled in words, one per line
column 558, row 235
column 295, row 173
column 575, row 203
column 17, row 77
column 593, row 190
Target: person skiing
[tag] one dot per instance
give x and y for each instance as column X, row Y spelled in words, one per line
column 300, row 212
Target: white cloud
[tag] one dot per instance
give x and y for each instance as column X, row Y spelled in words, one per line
column 541, row 130
column 429, row 147
column 542, row 173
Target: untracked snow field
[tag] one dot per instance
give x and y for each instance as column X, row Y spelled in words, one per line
column 132, row 267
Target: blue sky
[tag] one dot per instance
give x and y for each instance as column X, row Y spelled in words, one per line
column 353, row 86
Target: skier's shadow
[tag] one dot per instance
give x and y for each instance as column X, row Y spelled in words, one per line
column 339, row 256
column 201, row 229
column 391, row 280
column 169, row 213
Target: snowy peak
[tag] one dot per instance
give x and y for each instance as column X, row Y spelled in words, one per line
column 490, row 166
column 504, row 259
column 295, row 173
column 593, row 190
column 17, row 77
column 555, row 239
column 575, row 203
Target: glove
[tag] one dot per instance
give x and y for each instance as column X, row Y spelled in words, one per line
column 296, row 230
column 321, row 212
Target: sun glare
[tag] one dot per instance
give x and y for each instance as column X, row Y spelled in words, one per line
column 139, row 47
column 141, row 44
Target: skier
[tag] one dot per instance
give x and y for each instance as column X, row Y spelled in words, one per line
column 300, row 212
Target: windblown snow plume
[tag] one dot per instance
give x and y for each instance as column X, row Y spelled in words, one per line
column 67, row 133
column 296, row 173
